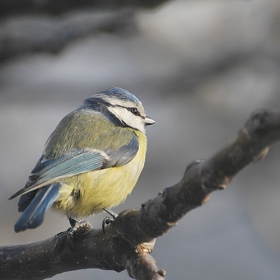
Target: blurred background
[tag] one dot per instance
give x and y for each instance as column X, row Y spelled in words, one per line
column 200, row 68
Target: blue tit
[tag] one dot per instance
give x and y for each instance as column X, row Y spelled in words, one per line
column 91, row 161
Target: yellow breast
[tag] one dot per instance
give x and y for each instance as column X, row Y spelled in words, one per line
column 101, row 188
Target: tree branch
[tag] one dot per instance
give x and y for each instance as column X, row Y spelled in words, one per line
column 49, row 34
column 56, row 7
column 29, row 26
column 129, row 240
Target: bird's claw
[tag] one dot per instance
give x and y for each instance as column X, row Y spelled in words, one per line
column 108, row 221
column 79, row 226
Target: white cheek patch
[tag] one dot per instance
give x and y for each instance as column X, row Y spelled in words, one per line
column 128, row 118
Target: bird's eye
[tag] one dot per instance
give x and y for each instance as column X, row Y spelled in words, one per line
column 134, row 111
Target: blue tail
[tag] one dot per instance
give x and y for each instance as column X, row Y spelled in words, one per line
column 34, row 214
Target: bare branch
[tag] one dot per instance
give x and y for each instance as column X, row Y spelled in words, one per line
column 202, row 177
column 69, row 251
column 56, row 7
column 49, row 34
column 129, row 240
column 29, row 26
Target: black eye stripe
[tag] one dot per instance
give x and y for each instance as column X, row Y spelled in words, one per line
column 134, row 111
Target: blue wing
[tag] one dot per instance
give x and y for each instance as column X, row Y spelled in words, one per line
column 76, row 162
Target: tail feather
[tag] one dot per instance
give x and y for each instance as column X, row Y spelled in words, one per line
column 34, row 214
column 25, row 200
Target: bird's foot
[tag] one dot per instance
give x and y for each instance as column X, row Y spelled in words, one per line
column 107, row 221
column 79, row 226
column 76, row 231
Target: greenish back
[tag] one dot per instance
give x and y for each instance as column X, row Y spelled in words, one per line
column 85, row 129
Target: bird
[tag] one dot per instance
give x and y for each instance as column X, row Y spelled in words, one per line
column 90, row 162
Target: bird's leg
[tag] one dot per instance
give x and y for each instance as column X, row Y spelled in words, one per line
column 72, row 222
column 79, row 225
column 107, row 221
column 111, row 213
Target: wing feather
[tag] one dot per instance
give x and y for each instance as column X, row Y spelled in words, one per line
column 77, row 162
